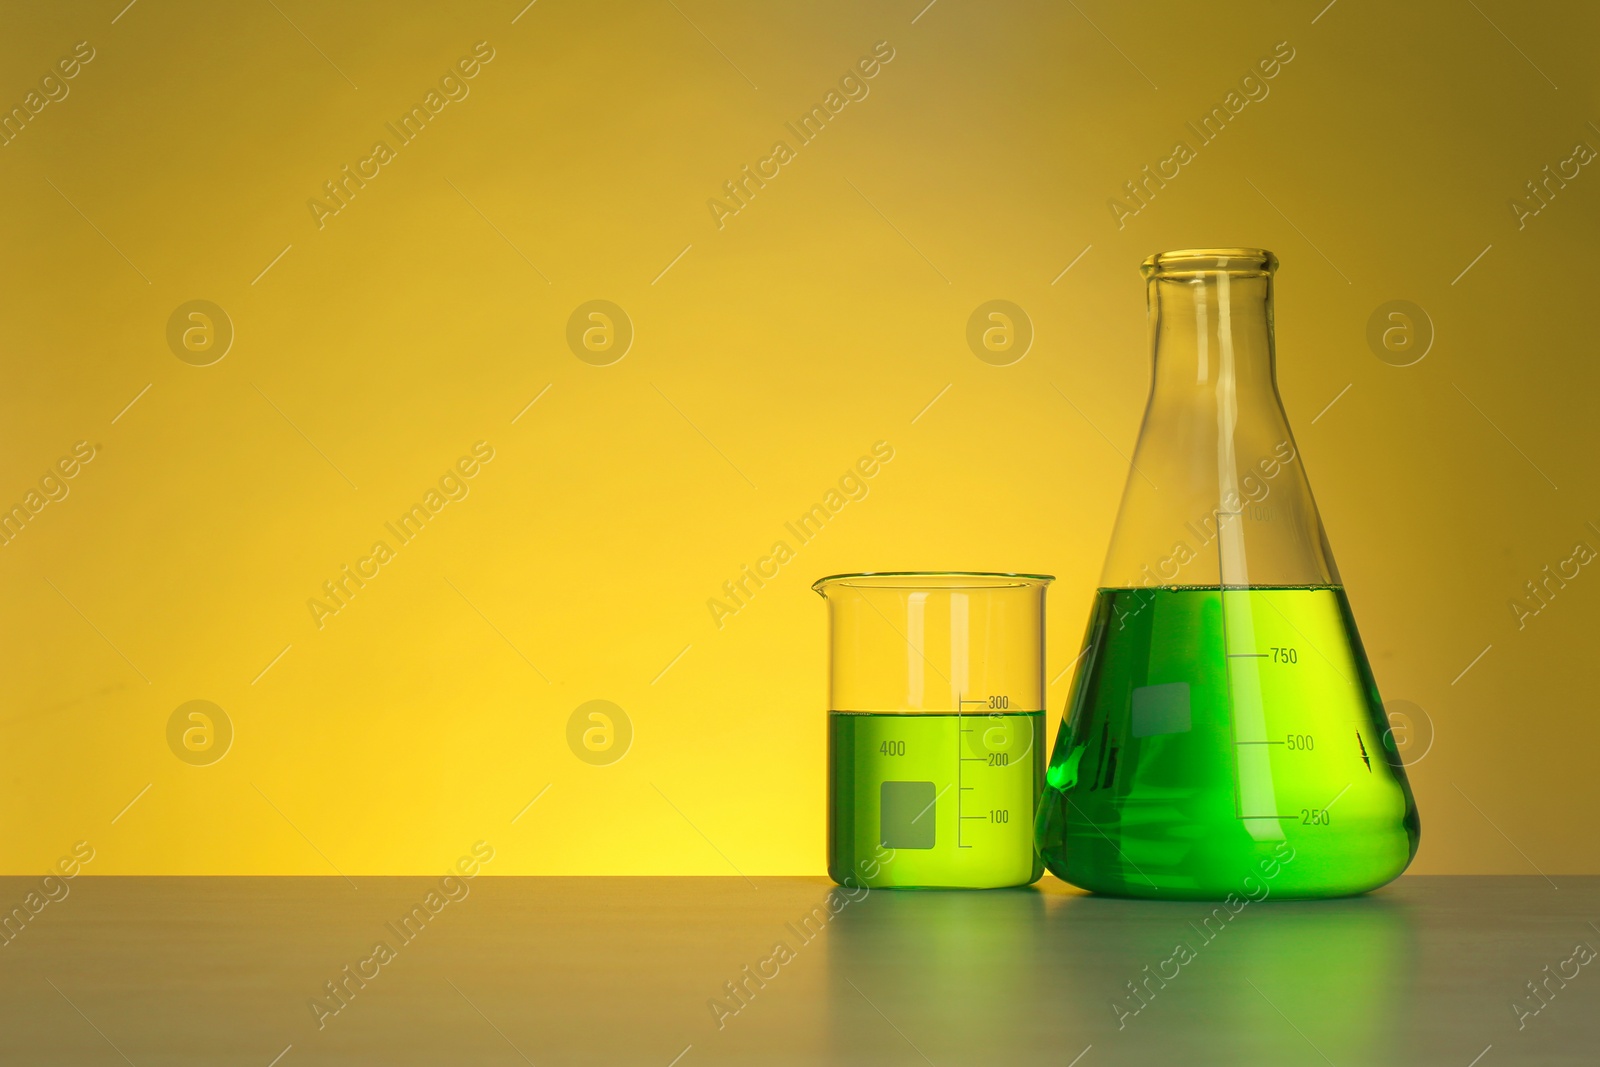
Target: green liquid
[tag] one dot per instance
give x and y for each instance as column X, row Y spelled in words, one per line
column 1212, row 733
column 933, row 801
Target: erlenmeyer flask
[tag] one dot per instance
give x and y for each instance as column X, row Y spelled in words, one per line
column 1224, row 734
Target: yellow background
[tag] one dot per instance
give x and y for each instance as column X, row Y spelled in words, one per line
column 822, row 318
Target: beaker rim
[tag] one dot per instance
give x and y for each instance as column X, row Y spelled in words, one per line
column 932, row 580
column 1185, row 262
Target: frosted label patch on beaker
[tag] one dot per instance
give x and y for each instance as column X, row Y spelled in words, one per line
column 1161, row 709
column 906, row 816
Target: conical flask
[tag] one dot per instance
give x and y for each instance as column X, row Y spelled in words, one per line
column 1224, row 735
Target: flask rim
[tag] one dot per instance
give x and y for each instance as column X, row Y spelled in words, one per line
column 1189, row 262
column 931, row 580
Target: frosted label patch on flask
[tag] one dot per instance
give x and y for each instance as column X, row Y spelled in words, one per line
column 906, row 815
column 1161, row 709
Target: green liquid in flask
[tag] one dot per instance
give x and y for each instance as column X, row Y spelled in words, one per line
column 1223, row 739
column 933, row 800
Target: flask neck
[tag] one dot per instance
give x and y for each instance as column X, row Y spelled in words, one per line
column 1217, row 495
column 1213, row 331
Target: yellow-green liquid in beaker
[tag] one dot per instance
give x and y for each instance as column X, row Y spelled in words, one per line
column 934, row 800
column 1213, row 732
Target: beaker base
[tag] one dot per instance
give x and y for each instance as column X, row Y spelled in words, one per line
column 934, row 801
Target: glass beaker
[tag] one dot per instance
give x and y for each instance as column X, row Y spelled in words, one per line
column 935, row 728
column 1223, row 734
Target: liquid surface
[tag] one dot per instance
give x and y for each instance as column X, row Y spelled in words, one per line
column 932, row 801
column 1225, row 741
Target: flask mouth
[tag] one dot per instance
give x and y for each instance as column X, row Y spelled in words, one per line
column 1189, row 262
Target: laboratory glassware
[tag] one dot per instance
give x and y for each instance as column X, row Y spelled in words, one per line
column 1224, row 735
column 935, row 728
